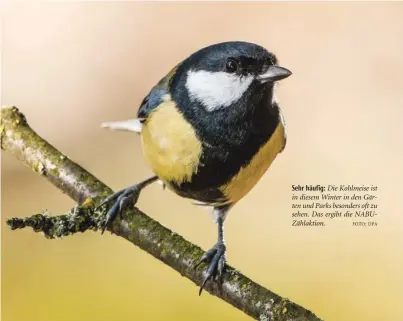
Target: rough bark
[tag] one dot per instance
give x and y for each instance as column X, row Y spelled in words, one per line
column 172, row 249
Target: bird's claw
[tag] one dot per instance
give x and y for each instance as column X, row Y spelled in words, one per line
column 123, row 199
column 217, row 257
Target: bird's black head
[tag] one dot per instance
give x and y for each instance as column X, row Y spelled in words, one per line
column 227, row 74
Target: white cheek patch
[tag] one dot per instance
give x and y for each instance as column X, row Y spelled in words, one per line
column 216, row 90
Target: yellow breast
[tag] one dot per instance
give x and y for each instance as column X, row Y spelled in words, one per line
column 170, row 144
column 249, row 175
column 173, row 151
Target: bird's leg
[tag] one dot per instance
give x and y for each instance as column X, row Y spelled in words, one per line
column 122, row 199
column 217, row 255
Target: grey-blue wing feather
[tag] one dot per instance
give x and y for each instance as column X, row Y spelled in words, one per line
column 151, row 101
column 154, row 98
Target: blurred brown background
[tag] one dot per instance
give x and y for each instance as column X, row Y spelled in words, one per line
column 71, row 66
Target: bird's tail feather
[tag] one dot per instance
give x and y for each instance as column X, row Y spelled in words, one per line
column 132, row 125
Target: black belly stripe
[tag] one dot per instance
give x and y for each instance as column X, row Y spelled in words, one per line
column 205, row 195
column 219, row 167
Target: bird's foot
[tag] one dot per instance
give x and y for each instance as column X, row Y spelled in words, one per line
column 122, row 200
column 217, row 257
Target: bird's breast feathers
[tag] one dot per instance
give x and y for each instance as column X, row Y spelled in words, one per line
column 249, row 175
column 170, row 144
column 174, row 152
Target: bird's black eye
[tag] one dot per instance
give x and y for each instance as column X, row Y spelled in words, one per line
column 231, row 65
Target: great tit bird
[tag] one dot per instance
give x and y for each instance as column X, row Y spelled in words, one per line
column 209, row 130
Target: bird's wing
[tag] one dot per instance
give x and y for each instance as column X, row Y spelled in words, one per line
column 149, row 103
column 156, row 95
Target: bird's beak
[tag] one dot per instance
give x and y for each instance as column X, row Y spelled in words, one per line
column 274, row 73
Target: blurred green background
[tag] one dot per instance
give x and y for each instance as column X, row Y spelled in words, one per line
column 71, row 66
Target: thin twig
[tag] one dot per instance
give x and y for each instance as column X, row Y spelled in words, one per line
column 20, row 140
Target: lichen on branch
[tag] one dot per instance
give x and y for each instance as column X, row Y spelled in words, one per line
column 78, row 219
column 135, row 226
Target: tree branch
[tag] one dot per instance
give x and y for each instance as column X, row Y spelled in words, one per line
column 136, row 227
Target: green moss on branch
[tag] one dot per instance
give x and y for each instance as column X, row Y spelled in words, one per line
column 20, row 140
